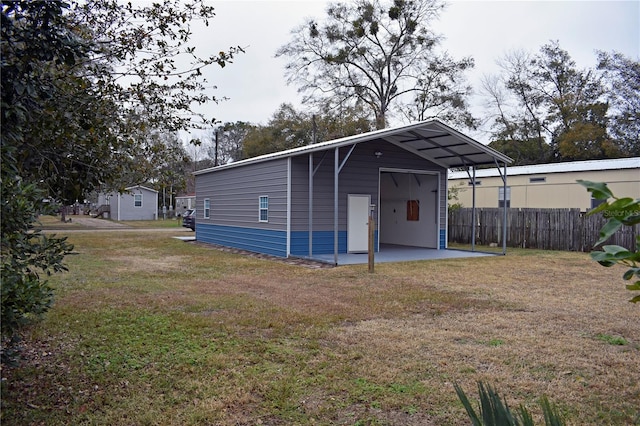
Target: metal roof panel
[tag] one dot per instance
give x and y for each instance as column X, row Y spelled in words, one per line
column 572, row 166
column 430, row 139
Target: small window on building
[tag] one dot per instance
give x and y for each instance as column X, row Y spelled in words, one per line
column 537, row 179
column 263, row 214
column 207, row 208
column 478, row 182
column 502, row 199
column 137, row 200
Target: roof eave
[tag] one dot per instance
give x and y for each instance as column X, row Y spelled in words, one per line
column 376, row 134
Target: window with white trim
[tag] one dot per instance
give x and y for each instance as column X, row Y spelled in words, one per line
column 207, row 208
column 137, row 200
column 263, row 209
column 502, row 199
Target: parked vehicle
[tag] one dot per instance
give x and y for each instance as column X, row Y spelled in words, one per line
column 189, row 219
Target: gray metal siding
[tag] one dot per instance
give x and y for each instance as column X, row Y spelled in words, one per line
column 234, row 194
column 122, row 205
column 359, row 176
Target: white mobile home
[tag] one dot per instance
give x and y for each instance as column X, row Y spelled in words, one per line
column 550, row 185
column 316, row 199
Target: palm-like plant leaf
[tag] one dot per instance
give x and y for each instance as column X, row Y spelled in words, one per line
column 496, row 412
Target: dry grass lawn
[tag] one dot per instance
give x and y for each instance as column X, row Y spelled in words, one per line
column 147, row 329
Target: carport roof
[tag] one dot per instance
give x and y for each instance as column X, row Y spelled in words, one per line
column 430, row 139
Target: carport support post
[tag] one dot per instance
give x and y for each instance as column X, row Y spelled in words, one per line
column 504, row 219
column 473, row 209
column 311, row 204
column 336, row 171
column 372, row 227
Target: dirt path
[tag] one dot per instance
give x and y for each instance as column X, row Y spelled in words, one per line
column 89, row 224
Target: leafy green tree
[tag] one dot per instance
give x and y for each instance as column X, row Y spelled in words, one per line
column 622, row 81
column 36, row 46
column 198, row 160
column 227, row 141
column 27, row 255
column 575, row 108
column 621, row 212
column 73, row 77
column 286, row 129
column 378, row 55
column 518, row 131
column 168, row 163
column 453, row 193
column 137, row 49
column 526, row 151
column 442, row 92
column 289, row 128
column 546, row 109
column 40, row 52
column 334, row 122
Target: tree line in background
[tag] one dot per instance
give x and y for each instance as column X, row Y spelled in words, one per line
column 544, row 109
column 369, row 62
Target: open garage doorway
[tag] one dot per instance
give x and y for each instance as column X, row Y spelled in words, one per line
column 409, row 206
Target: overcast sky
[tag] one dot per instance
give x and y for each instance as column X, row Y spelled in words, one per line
column 484, row 30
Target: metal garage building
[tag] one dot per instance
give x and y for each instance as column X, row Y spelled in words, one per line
column 316, row 199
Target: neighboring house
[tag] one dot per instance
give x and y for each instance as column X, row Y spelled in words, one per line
column 316, row 199
column 185, row 203
column 549, row 185
column 137, row 203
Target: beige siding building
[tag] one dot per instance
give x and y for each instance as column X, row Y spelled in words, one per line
column 548, row 185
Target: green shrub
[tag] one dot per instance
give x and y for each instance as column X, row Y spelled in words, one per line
column 25, row 254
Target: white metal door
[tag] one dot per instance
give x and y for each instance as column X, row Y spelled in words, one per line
column 358, row 223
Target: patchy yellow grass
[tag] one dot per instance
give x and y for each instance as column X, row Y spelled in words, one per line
column 134, row 260
column 148, row 329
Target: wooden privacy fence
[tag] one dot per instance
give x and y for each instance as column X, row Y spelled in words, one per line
column 546, row 229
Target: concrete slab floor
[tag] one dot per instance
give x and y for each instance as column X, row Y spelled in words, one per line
column 395, row 253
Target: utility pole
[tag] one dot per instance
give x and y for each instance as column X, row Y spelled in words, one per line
column 315, row 129
column 215, row 157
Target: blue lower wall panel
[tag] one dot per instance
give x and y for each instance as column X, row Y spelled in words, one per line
column 252, row 239
column 443, row 239
column 322, row 242
column 270, row 241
